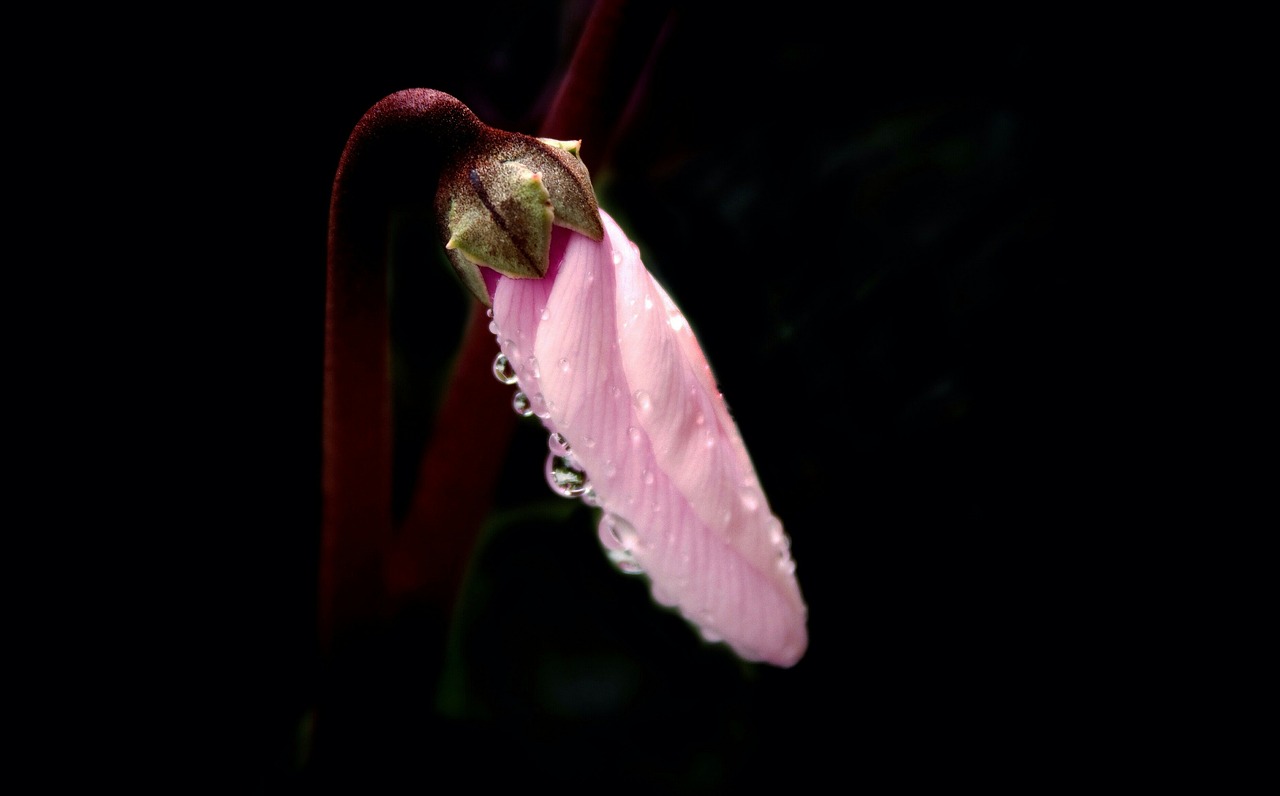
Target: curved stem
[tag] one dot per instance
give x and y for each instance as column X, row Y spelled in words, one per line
column 392, row 157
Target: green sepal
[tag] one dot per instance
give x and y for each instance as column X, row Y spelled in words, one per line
column 502, row 220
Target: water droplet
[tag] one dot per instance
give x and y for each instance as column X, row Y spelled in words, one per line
column 533, row 368
column 787, row 565
column 520, row 402
column 643, row 402
column 539, row 405
column 493, row 327
column 503, row 370
column 615, row 391
column 610, row 469
column 634, row 434
column 591, row 442
column 564, row 478
column 648, row 302
column 488, row 313
column 710, row 440
column 750, row 499
column 620, row 531
column 710, row 635
column 625, row 562
column 558, row 444
column 564, row 364
column 617, row 258
column 647, row 476
column 700, row 419
column 544, row 314
column 591, row 498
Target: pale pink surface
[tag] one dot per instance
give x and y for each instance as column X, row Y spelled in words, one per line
column 610, row 363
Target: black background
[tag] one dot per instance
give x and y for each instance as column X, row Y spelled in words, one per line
column 883, row 233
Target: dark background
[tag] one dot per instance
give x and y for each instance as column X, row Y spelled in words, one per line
column 882, row 232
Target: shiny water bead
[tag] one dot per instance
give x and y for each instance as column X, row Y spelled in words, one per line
column 520, row 402
column 565, row 479
column 503, row 370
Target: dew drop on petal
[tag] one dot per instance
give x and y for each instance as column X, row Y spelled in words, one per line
column 565, row 479
column 488, row 313
column 493, row 327
column 620, row 531
column 750, row 498
column 557, row 444
column 564, row 364
column 533, row 368
column 503, row 370
column 544, row 314
column 617, row 258
column 538, row 404
column 591, row 498
column 633, row 434
column 776, row 536
column 625, row 562
column 520, row 402
column 643, row 402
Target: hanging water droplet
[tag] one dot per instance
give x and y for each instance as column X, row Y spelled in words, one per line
column 493, row 327
column 558, row 444
column 520, row 402
column 590, row 498
column 503, row 370
column 620, row 531
column 488, row 313
column 787, row 565
column 564, row 479
column 710, row 636
column 625, row 562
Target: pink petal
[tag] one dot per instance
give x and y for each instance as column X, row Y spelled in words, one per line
column 610, row 364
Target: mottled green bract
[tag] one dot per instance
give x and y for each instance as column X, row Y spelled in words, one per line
column 498, row 202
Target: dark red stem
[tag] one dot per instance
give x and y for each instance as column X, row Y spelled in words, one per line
column 369, row 568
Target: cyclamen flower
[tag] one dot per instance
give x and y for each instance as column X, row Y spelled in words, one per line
column 606, row 360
